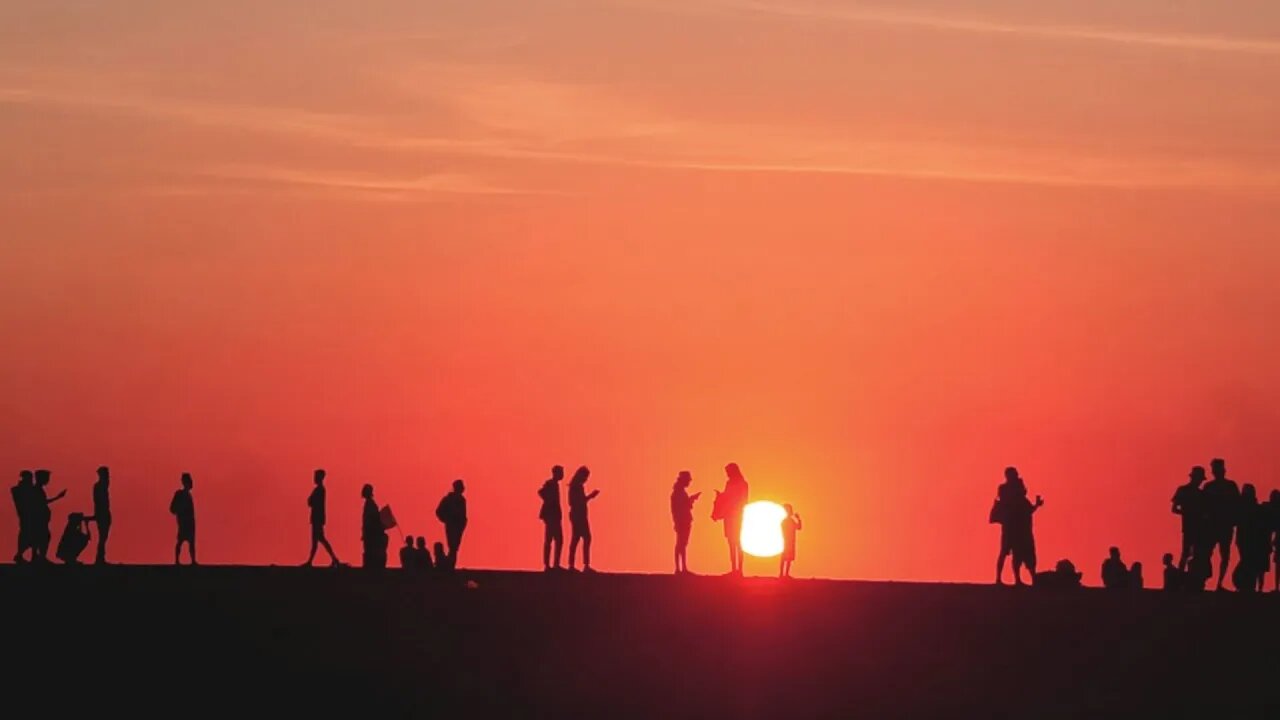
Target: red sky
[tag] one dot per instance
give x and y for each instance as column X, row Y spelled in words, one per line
column 872, row 253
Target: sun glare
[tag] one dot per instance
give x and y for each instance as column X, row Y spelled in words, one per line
column 762, row 529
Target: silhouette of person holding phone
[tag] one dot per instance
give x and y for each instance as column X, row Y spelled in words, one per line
column 790, row 526
column 579, row 522
column 682, row 518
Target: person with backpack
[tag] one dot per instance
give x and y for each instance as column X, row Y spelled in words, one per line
column 452, row 511
column 75, row 538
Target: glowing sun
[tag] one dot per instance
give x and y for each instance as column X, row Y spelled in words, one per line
column 762, row 529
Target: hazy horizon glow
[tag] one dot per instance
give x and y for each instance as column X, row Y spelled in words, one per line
column 871, row 252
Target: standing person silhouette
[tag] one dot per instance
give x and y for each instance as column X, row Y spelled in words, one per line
column 1188, row 502
column 1253, row 540
column 552, row 518
column 102, row 512
column 406, row 554
column 183, row 507
column 421, row 555
column 728, row 507
column 1017, row 536
column 452, row 511
column 1221, row 507
column 22, row 494
column 682, row 518
column 42, row 515
column 316, row 502
column 790, row 526
column 372, row 534
column 1273, row 520
column 579, row 522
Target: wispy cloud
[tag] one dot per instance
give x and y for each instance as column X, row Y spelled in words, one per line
column 896, row 16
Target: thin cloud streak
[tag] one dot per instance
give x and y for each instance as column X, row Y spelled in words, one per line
column 983, row 26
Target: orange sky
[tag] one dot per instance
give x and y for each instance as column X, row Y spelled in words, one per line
column 871, row 252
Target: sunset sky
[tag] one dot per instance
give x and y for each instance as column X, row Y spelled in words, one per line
column 871, row 252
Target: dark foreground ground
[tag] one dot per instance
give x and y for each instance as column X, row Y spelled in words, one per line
column 342, row 642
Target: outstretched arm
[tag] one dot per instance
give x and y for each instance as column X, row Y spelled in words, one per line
column 592, row 495
column 57, row 497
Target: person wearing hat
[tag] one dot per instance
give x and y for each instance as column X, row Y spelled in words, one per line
column 1187, row 502
column 682, row 517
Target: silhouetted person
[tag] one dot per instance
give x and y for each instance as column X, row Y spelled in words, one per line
column 1013, row 511
column 1273, row 518
column 791, row 524
column 183, row 508
column 1064, row 575
column 1115, row 575
column 319, row 516
column 552, row 518
column 75, row 538
column 421, row 555
column 102, row 512
column 727, row 507
column 579, row 520
column 1221, row 505
column 1253, row 541
column 42, row 516
column 682, row 517
column 1188, row 503
column 23, row 493
column 442, row 557
column 373, row 535
column 406, row 554
column 1174, row 578
column 452, row 511
column 1135, row 580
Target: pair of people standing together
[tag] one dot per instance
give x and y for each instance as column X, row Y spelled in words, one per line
column 579, row 521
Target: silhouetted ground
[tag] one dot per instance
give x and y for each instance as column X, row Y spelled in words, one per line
column 335, row 642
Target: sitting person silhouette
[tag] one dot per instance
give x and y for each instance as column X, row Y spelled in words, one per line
column 421, row 555
column 406, row 553
column 75, row 538
column 1114, row 573
column 1134, row 581
column 442, row 557
column 1174, row 579
column 1063, row 575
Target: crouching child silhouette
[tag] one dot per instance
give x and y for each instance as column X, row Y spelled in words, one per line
column 75, row 538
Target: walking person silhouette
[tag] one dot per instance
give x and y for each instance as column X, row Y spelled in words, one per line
column 183, row 508
column 23, row 493
column 682, row 518
column 373, row 535
column 452, row 511
column 552, row 519
column 316, row 502
column 102, row 512
column 727, row 507
column 1253, row 541
column 579, row 522
column 42, row 516
column 1221, row 506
